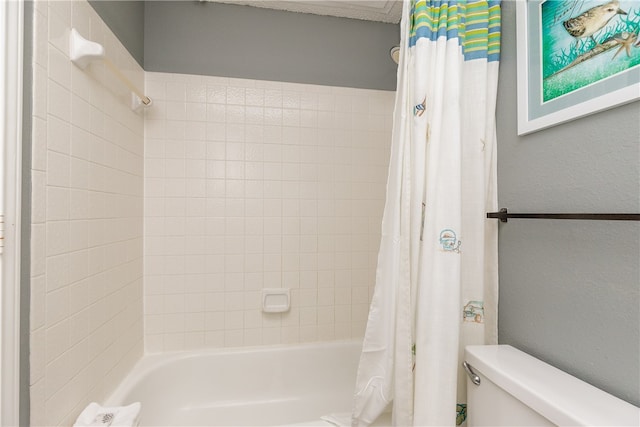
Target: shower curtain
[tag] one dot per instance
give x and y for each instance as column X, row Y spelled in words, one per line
column 436, row 280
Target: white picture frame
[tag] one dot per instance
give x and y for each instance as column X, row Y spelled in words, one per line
column 534, row 113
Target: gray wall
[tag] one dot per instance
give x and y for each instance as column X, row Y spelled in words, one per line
column 126, row 20
column 244, row 42
column 569, row 290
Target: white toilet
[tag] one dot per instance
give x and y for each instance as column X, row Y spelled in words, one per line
column 516, row 389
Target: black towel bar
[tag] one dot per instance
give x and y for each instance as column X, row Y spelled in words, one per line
column 503, row 215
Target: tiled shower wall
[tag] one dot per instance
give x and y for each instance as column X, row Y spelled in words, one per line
column 251, row 185
column 87, row 205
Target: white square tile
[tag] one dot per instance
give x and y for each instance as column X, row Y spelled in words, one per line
column 273, row 98
column 262, row 205
column 234, row 338
column 154, row 343
column 174, row 341
column 176, row 110
column 175, row 91
column 214, row 302
column 254, row 96
column 57, row 306
column 235, row 95
column 216, row 94
column 58, row 31
column 196, row 93
column 56, row 340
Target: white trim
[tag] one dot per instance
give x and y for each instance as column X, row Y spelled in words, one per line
column 11, row 54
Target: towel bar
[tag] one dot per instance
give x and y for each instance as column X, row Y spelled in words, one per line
column 503, row 215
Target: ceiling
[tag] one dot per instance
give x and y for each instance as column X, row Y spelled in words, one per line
column 389, row 11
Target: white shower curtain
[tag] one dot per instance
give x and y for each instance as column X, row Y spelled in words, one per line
column 436, row 281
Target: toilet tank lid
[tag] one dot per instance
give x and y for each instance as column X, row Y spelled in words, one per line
column 556, row 395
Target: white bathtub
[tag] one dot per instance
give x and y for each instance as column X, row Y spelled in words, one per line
column 263, row 386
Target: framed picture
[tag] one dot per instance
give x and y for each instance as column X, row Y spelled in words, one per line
column 575, row 57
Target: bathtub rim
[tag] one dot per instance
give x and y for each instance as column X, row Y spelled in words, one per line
column 152, row 362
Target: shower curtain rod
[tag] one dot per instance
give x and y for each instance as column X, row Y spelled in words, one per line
column 503, row 215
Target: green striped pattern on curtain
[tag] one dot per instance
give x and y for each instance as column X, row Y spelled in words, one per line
column 475, row 23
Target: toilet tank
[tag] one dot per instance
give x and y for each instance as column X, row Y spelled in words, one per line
column 517, row 389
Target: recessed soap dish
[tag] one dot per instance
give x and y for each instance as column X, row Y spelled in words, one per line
column 276, row 300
